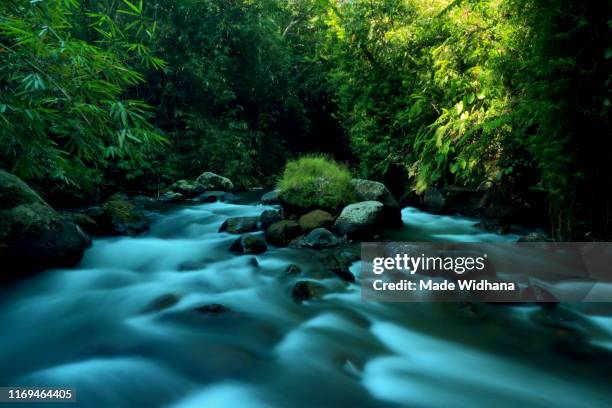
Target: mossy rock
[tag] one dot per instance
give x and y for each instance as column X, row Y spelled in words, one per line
column 33, row 236
column 13, row 192
column 315, row 183
column 316, row 219
column 122, row 217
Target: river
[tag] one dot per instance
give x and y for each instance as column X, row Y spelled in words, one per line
column 123, row 329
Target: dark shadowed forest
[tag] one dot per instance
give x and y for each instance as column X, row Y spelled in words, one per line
column 508, row 96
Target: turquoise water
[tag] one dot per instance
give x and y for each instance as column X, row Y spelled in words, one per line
column 122, row 329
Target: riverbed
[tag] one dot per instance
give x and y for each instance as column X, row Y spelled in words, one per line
column 138, row 323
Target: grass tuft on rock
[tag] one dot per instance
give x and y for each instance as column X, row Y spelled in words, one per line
column 313, row 182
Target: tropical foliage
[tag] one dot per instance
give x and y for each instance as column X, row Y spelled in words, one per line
column 511, row 95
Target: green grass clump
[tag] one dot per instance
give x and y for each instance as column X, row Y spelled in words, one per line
column 316, row 182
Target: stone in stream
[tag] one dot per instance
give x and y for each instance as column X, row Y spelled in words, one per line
column 162, row 302
column 282, row 232
column 211, row 181
column 316, row 219
column 270, row 198
column 360, row 219
column 293, row 270
column 307, row 290
column 33, row 236
column 213, row 309
column 239, row 225
column 249, row 244
column 368, row 190
column 319, row 238
column 270, row 217
column 121, row 217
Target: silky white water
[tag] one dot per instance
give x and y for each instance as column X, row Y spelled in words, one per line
column 122, row 329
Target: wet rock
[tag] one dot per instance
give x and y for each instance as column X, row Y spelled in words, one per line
column 171, row 197
column 270, row 198
column 120, row 217
column 344, row 273
column 318, row 239
column 211, row 181
column 293, row 270
column 270, row 217
column 188, row 188
column 533, row 237
column 33, row 236
column 213, row 309
column 368, row 190
column 360, row 219
column 249, row 244
column 434, row 201
column 240, row 225
column 162, row 302
column 316, row 219
column 282, row 232
column 214, row 196
column 307, row 290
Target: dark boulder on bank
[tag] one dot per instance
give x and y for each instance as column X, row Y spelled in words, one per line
column 33, row 236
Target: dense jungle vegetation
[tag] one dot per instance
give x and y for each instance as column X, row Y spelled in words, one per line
column 107, row 95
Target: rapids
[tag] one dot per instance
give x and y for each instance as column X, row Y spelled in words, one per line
column 123, row 330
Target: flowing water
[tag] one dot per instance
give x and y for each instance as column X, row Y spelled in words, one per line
column 122, row 329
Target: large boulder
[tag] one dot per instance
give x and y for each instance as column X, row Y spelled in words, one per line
column 248, row 244
column 33, row 236
column 188, row 188
column 360, row 220
column 121, row 217
column 211, row 181
column 316, row 219
column 368, row 190
column 282, row 232
column 319, row 238
column 270, row 198
column 240, row 225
